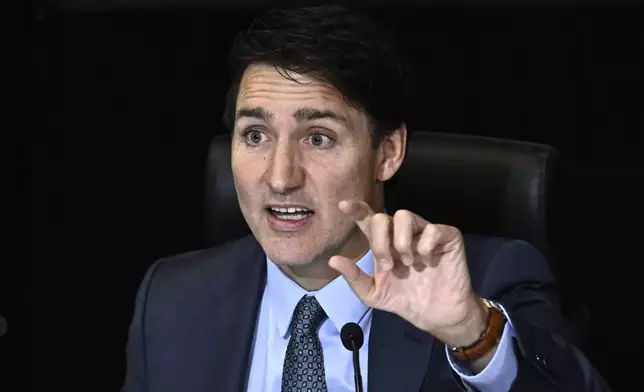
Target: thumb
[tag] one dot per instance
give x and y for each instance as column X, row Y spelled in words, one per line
column 361, row 283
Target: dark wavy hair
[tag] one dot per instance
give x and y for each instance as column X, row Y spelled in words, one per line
column 344, row 48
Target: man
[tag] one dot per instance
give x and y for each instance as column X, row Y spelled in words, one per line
column 317, row 113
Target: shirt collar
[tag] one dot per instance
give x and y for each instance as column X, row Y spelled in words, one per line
column 336, row 298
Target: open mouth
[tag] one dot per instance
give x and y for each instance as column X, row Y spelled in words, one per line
column 290, row 213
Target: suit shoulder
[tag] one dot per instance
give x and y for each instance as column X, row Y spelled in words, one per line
column 215, row 254
column 205, row 265
column 490, row 247
column 481, row 247
column 499, row 262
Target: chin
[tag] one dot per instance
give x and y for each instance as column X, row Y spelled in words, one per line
column 288, row 252
column 299, row 248
column 295, row 250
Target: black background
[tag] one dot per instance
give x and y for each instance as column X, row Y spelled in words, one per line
column 122, row 102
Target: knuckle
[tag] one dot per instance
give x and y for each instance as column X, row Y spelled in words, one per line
column 402, row 244
column 427, row 240
column 423, row 250
column 380, row 218
column 380, row 234
column 380, row 225
column 380, row 250
column 430, row 231
column 402, row 214
column 424, row 247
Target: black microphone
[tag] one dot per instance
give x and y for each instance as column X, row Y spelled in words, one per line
column 352, row 339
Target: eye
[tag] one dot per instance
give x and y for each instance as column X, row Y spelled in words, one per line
column 253, row 137
column 320, row 140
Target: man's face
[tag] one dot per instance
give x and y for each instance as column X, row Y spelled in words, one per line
column 298, row 149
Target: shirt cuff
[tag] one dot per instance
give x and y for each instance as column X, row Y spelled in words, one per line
column 500, row 373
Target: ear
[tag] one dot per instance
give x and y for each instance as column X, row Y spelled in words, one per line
column 391, row 153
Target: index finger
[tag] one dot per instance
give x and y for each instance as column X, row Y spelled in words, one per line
column 360, row 211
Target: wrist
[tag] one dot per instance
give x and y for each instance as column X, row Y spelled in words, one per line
column 486, row 343
column 469, row 330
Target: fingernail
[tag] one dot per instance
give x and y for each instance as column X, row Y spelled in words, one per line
column 386, row 264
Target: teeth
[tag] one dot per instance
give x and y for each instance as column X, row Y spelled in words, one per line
column 293, row 217
column 289, row 210
column 291, row 213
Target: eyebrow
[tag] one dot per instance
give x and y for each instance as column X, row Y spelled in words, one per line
column 301, row 115
column 309, row 114
column 258, row 113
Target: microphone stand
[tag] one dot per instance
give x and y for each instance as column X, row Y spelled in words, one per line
column 356, row 365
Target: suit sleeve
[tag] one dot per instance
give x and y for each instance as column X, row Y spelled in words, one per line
column 519, row 278
column 135, row 377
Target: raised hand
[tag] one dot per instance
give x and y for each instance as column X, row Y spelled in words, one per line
column 420, row 273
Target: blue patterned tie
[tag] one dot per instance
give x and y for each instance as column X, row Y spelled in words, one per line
column 304, row 364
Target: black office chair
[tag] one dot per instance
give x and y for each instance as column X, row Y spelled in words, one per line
column 481, row 185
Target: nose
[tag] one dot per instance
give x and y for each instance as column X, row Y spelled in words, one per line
column 285, row 174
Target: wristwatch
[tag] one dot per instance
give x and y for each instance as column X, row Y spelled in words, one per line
column 489, row 338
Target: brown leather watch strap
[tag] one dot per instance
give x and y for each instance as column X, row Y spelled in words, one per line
column 488, row 339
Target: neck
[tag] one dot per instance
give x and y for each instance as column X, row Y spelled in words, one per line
column 311, row 277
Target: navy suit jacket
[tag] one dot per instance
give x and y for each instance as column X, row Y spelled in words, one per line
column 195, row 318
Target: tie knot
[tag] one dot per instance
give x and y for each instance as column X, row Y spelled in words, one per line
column 307, row 317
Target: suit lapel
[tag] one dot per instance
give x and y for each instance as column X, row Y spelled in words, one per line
column 239, row 292
column 399, row 354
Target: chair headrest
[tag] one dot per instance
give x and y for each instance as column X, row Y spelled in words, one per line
column 481, row 185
